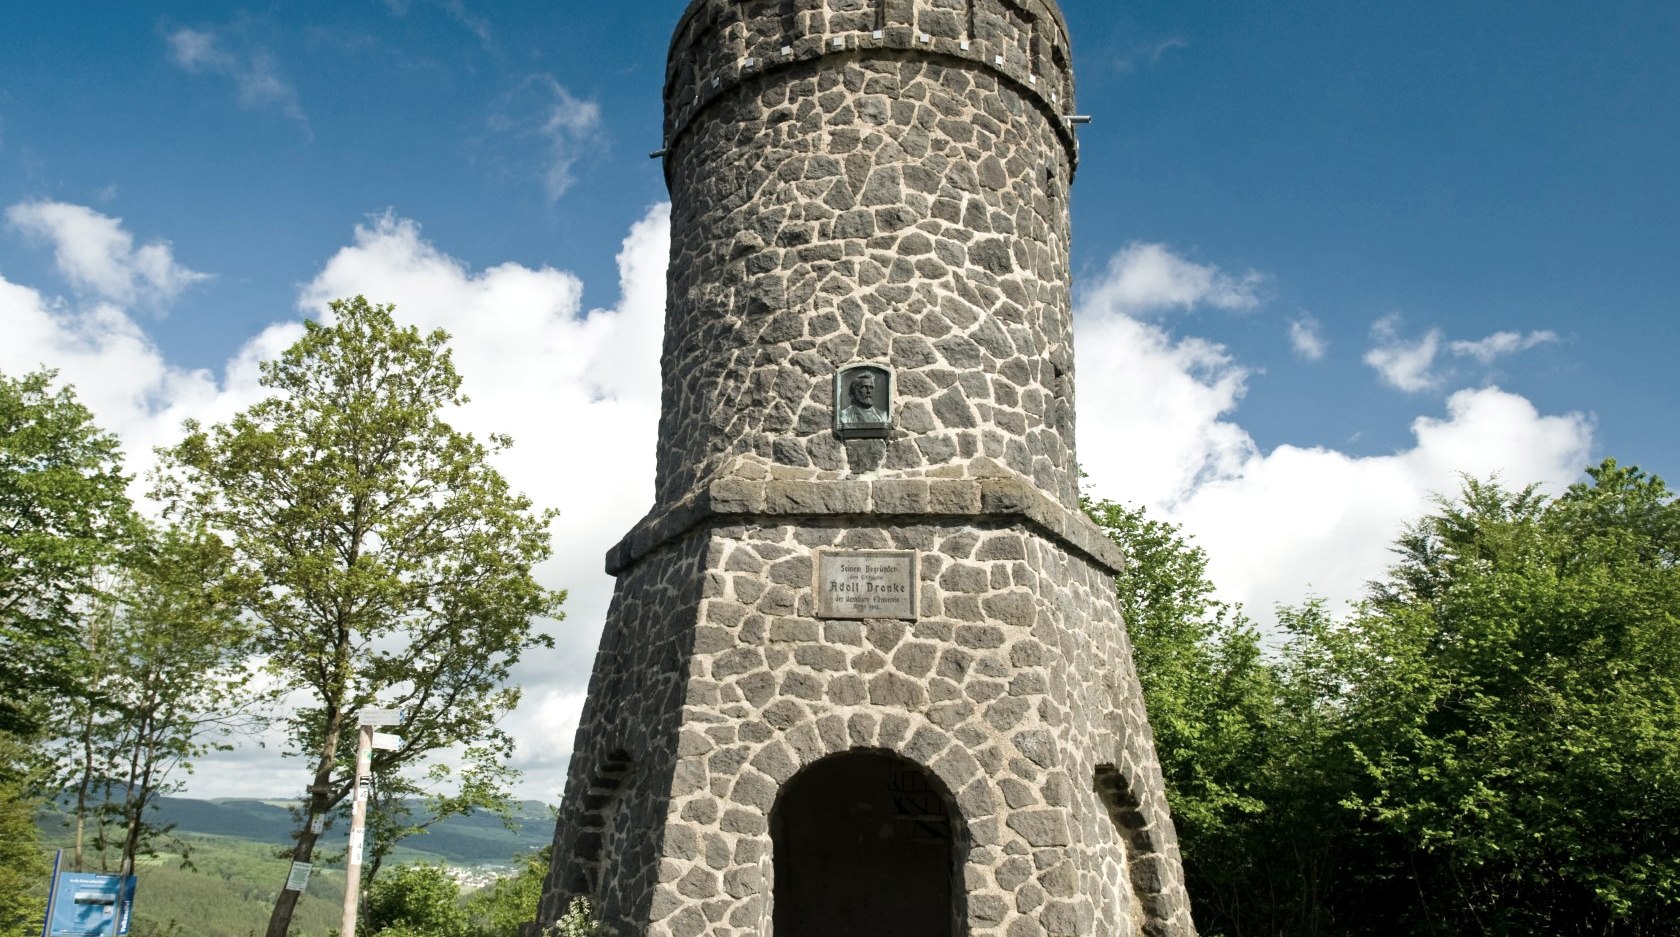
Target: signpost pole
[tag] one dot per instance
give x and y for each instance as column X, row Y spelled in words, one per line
column 358, row 823
column 366, row 741
column 52, row 893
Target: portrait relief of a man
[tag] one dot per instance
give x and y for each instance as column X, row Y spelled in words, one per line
column 863, row 401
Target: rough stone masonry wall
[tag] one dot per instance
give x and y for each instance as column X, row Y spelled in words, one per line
column 885, row 199
column 607, row 839
column 1015, row 688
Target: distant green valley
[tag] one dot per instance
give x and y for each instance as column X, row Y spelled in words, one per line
column 235, row 873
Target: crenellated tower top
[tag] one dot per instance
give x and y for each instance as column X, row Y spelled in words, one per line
column 721, row 44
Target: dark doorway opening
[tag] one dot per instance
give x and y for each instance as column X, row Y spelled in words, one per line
column 867, row 845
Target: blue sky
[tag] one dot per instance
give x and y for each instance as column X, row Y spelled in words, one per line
column 1327, row 254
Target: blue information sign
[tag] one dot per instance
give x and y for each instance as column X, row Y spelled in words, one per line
column 89, row 904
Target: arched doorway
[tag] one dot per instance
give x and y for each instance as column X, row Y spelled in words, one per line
column 867, row 844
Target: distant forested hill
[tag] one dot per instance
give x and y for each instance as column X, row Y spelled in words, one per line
column 472, row 840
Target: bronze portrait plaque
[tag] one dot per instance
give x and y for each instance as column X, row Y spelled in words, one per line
column 863, row 401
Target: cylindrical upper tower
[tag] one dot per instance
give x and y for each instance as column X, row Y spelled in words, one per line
column 869, row 181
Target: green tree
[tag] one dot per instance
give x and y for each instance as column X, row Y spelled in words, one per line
column 1208, row 692
column 400, row 806
column 498, row 909
column 1214, row 706
column 23, row 867
column 162, row 662
column 1488, row 742
column 64, row 515
column 1512, row 704
column 395, row 565
column 415, row 901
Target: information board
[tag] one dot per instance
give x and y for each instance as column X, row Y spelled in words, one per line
column 89, row 904
column 297, row 879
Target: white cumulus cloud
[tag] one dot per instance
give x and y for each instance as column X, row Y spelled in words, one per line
column 1158, row 426
column 1407, row 364
column 1157, row 406
column 1500, row 344
column 541, row 113
column 1410, row 364
column 1297, row 521
column 253, row 71
column 1143, row 278
column 121, row 374
column 97, row 256
column 1306, row 336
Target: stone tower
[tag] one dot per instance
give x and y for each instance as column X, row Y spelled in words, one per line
column 864, row 673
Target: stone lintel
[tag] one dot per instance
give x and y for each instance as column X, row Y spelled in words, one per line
column 881, row 501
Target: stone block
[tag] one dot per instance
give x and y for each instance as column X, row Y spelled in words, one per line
column 1040, row 827
column 900, row 496
column 953, row 496
column 895, row 691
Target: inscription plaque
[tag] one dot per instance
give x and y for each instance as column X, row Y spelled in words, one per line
column 866, row 584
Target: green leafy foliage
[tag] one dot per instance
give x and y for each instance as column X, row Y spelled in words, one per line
column 1221, row 719
column 498, row 909
column 64, row 517
column 64, row 514
column 1208, row 693
column 391, row 563
column 424, row 901
column 1514, row 706
column 161, row 665
column 23, row 866
column 415, row 901
column 1489, row 743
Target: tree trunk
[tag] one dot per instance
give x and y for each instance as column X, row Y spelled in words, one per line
column 140, row 772
column 83, row 786
column 320, row 800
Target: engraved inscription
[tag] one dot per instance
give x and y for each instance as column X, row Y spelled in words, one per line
column 866, row 584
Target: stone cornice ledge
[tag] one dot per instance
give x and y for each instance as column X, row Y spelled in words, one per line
column 730, row 498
